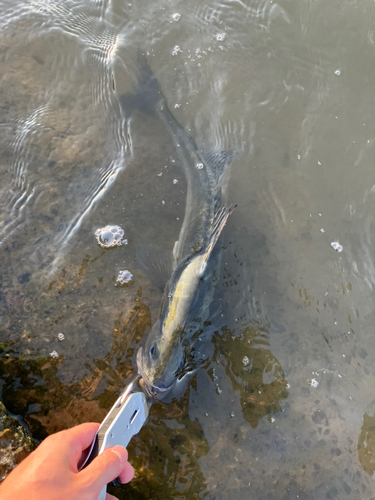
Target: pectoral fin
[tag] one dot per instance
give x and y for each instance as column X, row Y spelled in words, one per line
column 156, row 263
column 220, row 220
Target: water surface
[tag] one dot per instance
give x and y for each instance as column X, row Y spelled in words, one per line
column 283, row 404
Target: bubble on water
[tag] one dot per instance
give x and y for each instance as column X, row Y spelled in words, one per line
column 272, row 420
column 337, row 72
column 220, row 37
column 176, row 50
column 336, row 246
column 176, row 16
column 162, row 202
column 313, row 383
column 53, row 354
column 177, row 106
column 60, row 337
column 232, row 414
column 199, row 166
column 124, row 278
column 319, row 163
column 175, row 181
column 110, row 236
column 245, row 361
column 322, row 230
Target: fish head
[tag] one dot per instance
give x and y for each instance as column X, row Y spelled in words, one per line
column 159, row 363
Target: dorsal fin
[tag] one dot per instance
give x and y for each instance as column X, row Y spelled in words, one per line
column 219, row 222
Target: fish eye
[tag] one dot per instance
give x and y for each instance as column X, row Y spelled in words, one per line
column 153, row 350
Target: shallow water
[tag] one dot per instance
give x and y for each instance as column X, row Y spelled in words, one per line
column 283, row 407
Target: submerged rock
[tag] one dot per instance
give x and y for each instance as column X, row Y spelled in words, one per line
column 15, row 443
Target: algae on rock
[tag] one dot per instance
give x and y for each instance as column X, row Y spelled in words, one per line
column 15, row 443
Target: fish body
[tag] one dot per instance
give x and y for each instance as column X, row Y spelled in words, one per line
column 188, row 290
column 185, row 306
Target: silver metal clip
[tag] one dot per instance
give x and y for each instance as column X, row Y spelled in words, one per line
column 124, row 420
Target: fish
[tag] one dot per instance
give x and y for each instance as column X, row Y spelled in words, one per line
column 186, row 275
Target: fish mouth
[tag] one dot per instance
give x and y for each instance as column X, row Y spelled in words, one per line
column 155, row 393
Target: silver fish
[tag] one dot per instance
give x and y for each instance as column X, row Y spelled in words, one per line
column 188, row 288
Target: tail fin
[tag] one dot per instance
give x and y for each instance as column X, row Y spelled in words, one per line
column 147, row 95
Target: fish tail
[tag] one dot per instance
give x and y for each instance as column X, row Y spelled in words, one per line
column 148, row 97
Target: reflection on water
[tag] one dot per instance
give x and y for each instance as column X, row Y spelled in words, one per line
column 253, row 371
column 281, row 403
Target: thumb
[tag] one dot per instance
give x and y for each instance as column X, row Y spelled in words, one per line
column 105, row 467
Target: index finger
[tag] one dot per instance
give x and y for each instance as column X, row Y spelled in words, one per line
column 77, row 439
column 81, row 436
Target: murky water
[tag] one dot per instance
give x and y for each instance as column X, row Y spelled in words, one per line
column 284, row 406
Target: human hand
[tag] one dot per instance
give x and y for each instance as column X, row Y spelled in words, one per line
column 51, row 471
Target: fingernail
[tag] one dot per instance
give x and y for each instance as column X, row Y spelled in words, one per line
column 121, row 453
